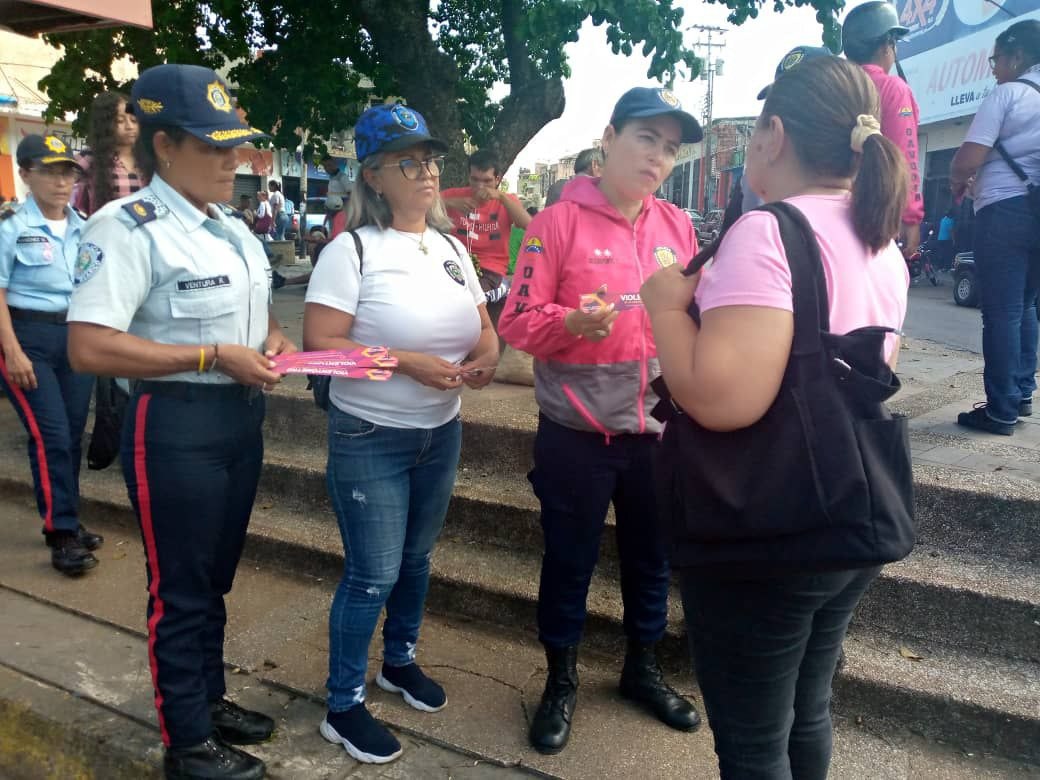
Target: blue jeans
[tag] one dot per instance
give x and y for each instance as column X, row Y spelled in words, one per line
column 1007, row 261
column 390, row 488
column 576, row 477
column 281, row 222
column 765, row 652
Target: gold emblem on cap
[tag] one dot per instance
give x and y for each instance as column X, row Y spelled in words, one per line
column 229, row 135
column 149, row 106
column 668, row 97
column 793, row 59
column 56, row 145
column 218, row 96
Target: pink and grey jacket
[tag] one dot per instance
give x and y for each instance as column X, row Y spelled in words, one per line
column 573, row 249
column 899, row 119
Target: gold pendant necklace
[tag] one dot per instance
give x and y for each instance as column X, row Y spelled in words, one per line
column 421, row 242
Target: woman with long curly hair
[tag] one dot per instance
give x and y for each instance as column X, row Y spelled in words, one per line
column 112, row 170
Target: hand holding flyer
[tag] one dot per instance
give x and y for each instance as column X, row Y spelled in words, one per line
column 374, row 363
column 590, row 303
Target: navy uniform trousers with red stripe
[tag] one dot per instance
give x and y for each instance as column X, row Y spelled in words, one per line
column 191, row 464
column 54, row 415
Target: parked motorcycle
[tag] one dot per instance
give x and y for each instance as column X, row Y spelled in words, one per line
column 921, row 264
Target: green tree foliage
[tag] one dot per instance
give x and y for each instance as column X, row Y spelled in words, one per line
column 298, row 65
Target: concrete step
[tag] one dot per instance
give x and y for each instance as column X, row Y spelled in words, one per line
column 277, row 646
column 983, row 603
column 972, row 698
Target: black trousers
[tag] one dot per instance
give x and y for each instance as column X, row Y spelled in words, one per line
column 191, row 466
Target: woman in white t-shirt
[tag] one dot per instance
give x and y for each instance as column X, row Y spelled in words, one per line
column 1007, row 231
column 393, row 445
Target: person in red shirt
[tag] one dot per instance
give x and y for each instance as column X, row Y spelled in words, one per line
column 869, row 36
column 483, row 216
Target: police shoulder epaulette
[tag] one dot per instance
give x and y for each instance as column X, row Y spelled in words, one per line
column 7, row 214
column 144, row 210
column 79, row 212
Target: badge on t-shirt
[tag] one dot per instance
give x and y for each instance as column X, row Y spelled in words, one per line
column 455, row 271
column 665, row 256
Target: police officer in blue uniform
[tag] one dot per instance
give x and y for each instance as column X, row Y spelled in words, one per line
column 173, row 292
column 37, row 260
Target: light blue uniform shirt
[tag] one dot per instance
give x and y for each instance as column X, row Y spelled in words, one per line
column 155, row 266
column 37, row 267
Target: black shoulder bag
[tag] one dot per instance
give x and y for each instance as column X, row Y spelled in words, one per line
column 321, row 385
column 1032, row 190
column 823, row 480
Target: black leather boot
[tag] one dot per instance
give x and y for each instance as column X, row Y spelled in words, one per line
column 213, row 760
column 551, row 726
column 643, row 681
column 239, row 726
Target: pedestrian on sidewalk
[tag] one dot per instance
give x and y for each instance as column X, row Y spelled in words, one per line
column 870, row 34
column 766, row 616
column 395, row 279
column 576, row 309
column 175, row 293
column 1007, row 226
column 279, row 216
column 38, row 245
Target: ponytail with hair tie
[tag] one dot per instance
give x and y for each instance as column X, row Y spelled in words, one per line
column 866, row 126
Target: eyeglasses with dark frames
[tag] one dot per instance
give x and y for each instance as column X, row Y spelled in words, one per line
column 411, row 168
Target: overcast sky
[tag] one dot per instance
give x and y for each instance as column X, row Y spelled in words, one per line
column 599, row 77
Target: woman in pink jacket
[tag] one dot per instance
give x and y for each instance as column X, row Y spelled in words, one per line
column 575, row 306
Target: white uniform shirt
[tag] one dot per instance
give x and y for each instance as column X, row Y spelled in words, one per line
column 1009, row 114
column 155, row 266
column 401, row 299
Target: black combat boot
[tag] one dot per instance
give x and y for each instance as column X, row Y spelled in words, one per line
column 238, row 726
column 213, row 760
column 643, row 681
column 551, row 726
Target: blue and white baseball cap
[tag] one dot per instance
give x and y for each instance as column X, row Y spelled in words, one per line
column 391, row 128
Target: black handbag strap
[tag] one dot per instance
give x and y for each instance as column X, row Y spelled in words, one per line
column 1014, row 166
column 808, row 284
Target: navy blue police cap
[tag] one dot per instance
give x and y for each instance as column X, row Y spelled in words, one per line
column 391, row 128
column 44, row 150
column 793, row 58
column 192, row 98
column 644, row 102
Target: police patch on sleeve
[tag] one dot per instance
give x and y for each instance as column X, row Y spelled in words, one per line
column 88, row 261
column 455, row 271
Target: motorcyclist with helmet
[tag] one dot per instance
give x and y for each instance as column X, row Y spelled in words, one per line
column 869, row 36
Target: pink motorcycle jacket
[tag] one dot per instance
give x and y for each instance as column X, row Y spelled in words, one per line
column 579, row 247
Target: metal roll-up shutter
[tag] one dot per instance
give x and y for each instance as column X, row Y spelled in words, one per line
column 245, row 185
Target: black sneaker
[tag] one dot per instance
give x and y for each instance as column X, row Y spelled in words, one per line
column 362, row 736
column 69, row 556
column 1025, row 408
column 418, row 690
column 979, row 419
column 211, row 759
column 239, row 726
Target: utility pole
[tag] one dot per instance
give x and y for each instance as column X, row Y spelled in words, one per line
column 712, row 67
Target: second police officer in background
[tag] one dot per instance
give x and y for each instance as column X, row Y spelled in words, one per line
column 37, row 257
column 172, row 291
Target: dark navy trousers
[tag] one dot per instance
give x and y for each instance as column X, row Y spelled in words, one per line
column 54, row 416
column 191, row 466
column 576, row 476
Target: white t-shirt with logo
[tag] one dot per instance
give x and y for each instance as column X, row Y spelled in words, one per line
column 1009, row 114
column 402, row 299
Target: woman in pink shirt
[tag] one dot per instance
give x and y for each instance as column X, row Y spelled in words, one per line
column 765, row 644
